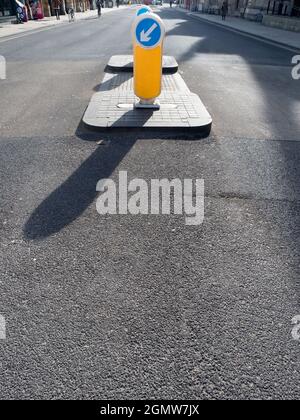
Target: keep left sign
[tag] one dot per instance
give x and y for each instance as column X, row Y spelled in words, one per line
column 149, row 31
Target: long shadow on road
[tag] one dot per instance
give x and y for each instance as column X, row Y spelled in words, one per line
column 71, row 199
column 66, row 204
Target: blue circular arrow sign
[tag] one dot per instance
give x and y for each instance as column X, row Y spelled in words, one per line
column 148, row 32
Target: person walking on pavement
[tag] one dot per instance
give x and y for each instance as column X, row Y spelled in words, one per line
column 56, row 7
column 224, row 10
column 118, row 3
column 99, row 6
column 71, row 13
column 171, row 3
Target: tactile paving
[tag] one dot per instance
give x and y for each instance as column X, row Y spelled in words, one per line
column 113, row 106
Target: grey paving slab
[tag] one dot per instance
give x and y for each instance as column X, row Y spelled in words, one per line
column 125, row 63
column 113, row 106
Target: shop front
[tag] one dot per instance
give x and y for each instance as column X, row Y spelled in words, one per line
column 296, row 8
column 34, row 8
column 7, row 8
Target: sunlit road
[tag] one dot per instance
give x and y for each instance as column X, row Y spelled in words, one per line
column 145, row 306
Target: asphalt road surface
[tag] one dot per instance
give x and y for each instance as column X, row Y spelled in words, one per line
column 144, row 306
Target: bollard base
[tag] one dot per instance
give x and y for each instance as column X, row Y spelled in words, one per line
column 151, row 104
column 112, row 107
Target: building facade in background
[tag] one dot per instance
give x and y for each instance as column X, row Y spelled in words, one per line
column 40, row 8
column 250, row 9
column 7, row 8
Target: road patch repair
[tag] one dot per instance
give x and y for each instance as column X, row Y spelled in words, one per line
column 146, row 91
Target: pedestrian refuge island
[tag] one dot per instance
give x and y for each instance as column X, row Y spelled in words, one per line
column 145, row 90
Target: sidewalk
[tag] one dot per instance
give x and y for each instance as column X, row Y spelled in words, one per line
column 8, row 29
column 279, row 36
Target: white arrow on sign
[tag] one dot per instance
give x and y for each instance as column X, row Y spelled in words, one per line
column 145, row 36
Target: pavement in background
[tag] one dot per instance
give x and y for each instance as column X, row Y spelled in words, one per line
column 8, row 29
column 288, row 38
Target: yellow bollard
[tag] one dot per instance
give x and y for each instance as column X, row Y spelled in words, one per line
column 147, row 72
column 148, row 36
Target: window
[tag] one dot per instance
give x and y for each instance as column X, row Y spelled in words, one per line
column 7, row 8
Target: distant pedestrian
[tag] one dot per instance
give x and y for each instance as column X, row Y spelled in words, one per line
column 71, row 14
column 19, row 14
column 224, row 10
column 99, row 7
column 56, row 7
column 171, row 3
column 118, row 3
